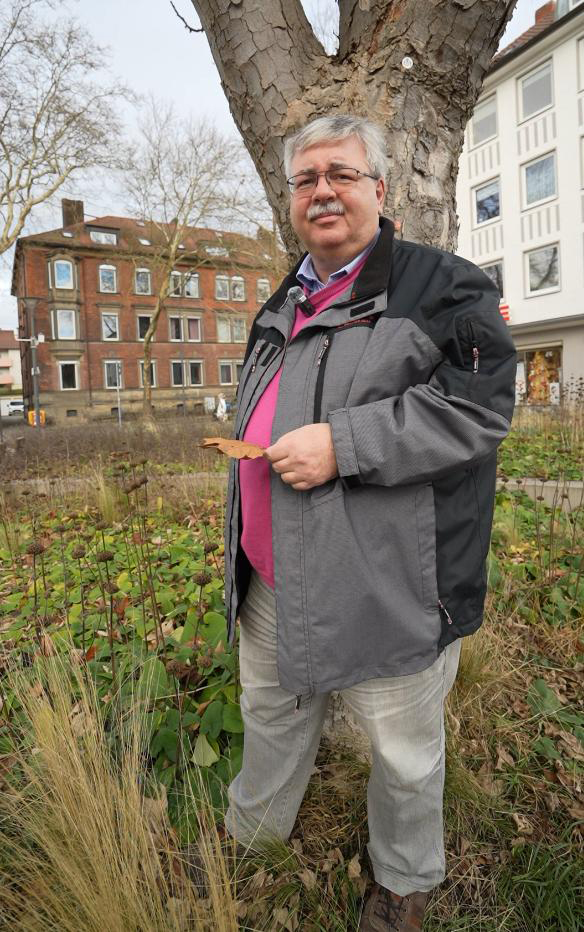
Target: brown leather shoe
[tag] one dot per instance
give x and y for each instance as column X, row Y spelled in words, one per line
column 386, row 911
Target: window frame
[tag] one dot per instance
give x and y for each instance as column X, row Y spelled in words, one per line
column 474, row 207
column 219, row 277
column 197, row 362
column 548, row 63
column 473, row 143
column 549, row 197
column 233, row 364
column 239, row 320
column 542, row 291
column 490, row 264
column 115, row 314
column 138, row 316
column 56, row 329
column 154, row 383
column 136, row 273
column 53, row 267
column 263, row 281
column 238, row 280
column 177, row 362
column 111, row 268
column 187, row 321
column 95, row 234
column 175, row 276
column 68, row 362
column 189, row 277
column 119, row 370
column 178, row 339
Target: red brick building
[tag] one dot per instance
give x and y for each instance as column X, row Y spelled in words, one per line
column 96, row 284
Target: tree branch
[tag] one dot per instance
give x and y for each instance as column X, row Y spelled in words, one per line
column 184, row 22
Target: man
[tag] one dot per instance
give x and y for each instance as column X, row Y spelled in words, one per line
column 379, row 377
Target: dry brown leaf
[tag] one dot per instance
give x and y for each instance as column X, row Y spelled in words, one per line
column 522, row 823
column 238, row 449
column 353, row 868
column 308, row 878
column 573, row 745
column 503, row 757
column 576, row 811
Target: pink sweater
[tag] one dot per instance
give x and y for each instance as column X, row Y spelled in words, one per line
column 254, row 475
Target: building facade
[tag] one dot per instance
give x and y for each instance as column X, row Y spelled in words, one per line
column 520, row 198
column 91, row 289
column 10, row 374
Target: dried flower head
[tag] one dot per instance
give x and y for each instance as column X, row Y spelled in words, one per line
column 210, row 547
column 184, row 672
column 203, row 578
column 101, row 525
column 104, row 556
column 78, row 553
column 60, row 528
column 35, row 548
column 110, row 587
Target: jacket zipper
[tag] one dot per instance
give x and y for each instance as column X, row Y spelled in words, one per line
column 443, row 609
column 474, row 347
column 321, row 363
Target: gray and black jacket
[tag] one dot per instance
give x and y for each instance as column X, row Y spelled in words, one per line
column 414, row 369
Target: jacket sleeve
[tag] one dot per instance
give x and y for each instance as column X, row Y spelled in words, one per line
column 456, row 418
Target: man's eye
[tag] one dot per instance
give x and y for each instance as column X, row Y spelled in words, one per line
column 342, row 177
column 306, row 181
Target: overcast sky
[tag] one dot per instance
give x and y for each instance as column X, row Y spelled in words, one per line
column 153, row 53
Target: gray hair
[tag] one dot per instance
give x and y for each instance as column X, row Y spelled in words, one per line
column 341, row 126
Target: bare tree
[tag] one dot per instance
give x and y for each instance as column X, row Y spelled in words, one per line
column 57, row 116
column 184, row 175
column 416, row 66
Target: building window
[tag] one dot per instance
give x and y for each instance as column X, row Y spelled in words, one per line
column 195, row 372
column 65, row 321
column 177, row 372
column 193, row 329
column 105, row 237
column 231, row 330
column 495, row 273
column 222, row 288
column 175, row 324
column 539, row 375
column 484, row 121
column 143, row 324
column 487, row 202
column 71, row 412
column 543, row 269
column 536, row 91
column 175, row 285
column 63, row 273
column 144, row 241
column 142, row 282
column 230, row 371
column 68, row 376
column 263, row 290
column 108, row 279
column 112, row 373
column 153, row 381
column 109, row 326
column 539, row 179
column 191, row 284
column 237, row 288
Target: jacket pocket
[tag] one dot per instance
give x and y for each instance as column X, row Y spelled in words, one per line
column 426, row 528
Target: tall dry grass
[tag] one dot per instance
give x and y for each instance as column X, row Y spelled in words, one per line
column 81, row 846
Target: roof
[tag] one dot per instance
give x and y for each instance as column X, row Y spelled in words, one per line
column 544, row 17
column 8, row 340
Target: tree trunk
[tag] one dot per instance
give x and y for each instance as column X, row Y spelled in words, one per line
column 277, row 76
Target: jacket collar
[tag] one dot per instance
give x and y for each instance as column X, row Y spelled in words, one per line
column 373, row 277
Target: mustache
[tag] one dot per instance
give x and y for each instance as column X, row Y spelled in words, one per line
column 320, row 210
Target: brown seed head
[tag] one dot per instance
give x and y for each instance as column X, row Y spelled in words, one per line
column 210, row 547
column 78, row 553
column 202, row 579
column 104, row 556
column 35, row 548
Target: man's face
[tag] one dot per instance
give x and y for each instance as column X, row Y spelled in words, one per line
column 329, row 234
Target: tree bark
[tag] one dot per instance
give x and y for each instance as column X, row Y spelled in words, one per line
column 277, row 76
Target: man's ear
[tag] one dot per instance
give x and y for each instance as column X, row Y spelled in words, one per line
column 380, row 193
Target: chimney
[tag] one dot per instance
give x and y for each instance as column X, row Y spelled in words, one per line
column 544, row 11
column 72, row 212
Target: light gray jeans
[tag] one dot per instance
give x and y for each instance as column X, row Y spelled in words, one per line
column 404, row 719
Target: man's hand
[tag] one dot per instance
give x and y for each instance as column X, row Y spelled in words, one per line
column 305, row 457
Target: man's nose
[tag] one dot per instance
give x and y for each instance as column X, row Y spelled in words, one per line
column 322, row 189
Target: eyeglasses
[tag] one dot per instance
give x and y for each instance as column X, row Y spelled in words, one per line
column 304, row 183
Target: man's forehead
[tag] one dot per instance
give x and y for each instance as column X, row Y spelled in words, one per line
column 332, row 154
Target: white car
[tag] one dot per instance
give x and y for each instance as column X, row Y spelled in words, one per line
column 16, row 406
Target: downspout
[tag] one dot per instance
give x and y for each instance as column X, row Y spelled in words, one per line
column 87, row 350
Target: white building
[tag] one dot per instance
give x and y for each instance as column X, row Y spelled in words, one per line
column 10, row 375
column 521, row 196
